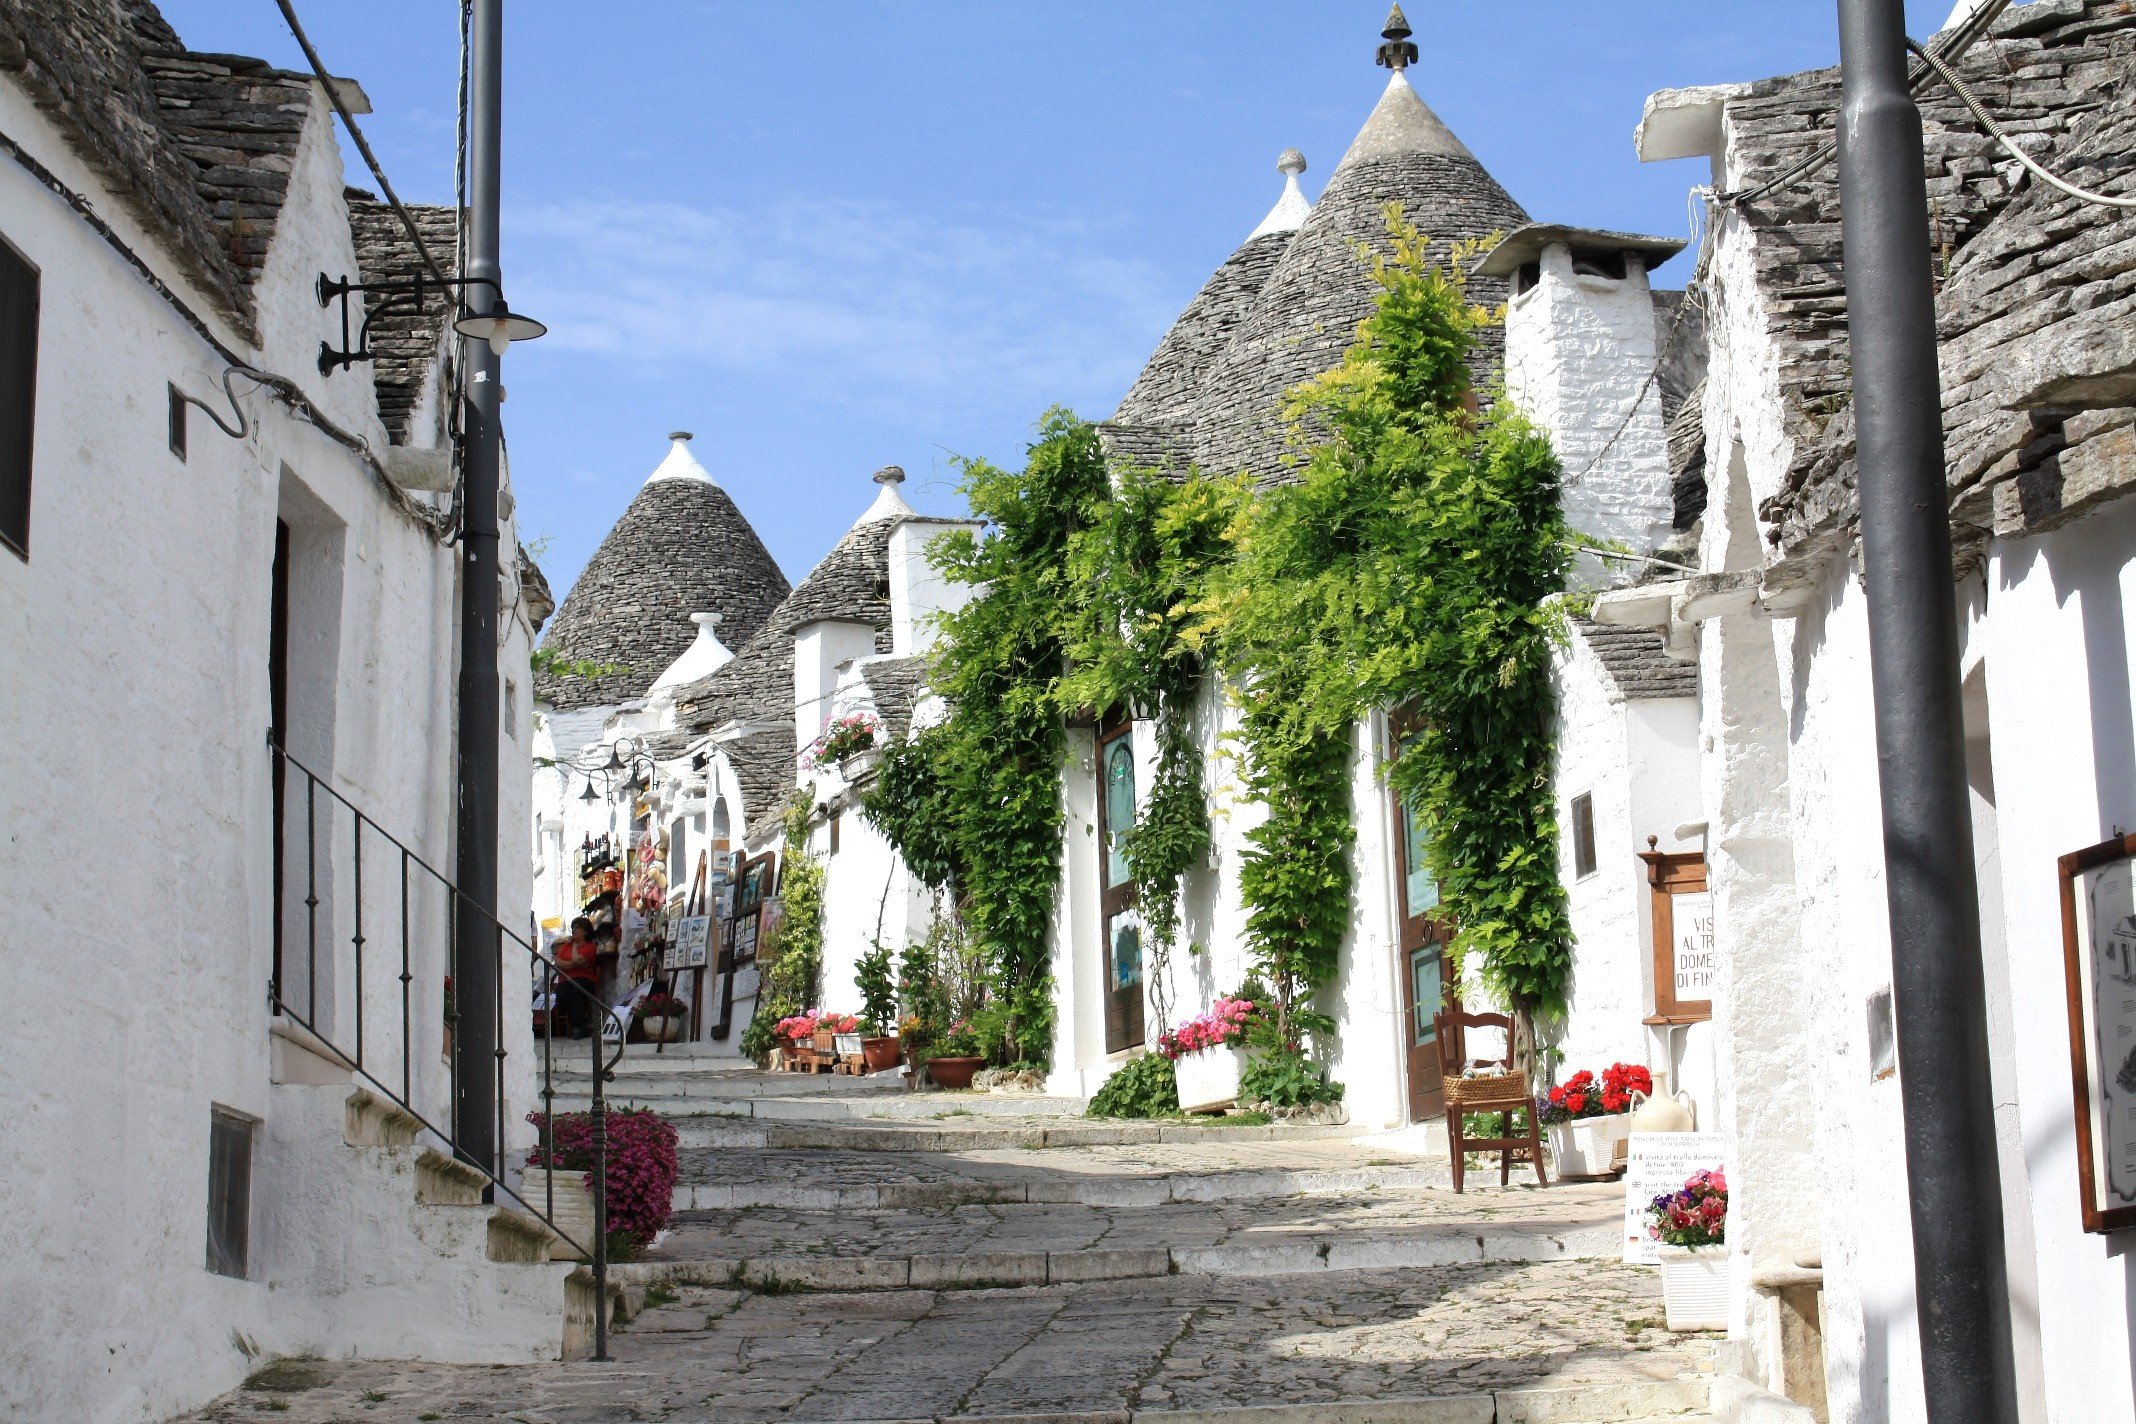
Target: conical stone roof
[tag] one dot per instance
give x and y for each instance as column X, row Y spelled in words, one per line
column 682, row 547
column 1286, row 305
column 1308, row 312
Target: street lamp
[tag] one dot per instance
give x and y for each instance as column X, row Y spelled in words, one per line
column 500, row 326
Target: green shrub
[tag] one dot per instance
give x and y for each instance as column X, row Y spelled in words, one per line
column 1140, row 1087
column 1286, row 1078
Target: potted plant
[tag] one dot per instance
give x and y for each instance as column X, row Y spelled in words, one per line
column 878, row 1008
column 1691, row 1223
column 956, row 1057
column 1587, row 1117
column 847, row 743
column 795, row 1032
column 1209, row 1053
column 662, row 1016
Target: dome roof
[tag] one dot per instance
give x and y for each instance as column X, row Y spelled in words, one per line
column 1277, row 315
column 683, row 547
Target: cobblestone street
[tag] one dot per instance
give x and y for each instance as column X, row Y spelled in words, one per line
column 1149, row 1269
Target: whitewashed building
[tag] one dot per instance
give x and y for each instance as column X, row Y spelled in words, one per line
column 208, row 543
column 1773, row 791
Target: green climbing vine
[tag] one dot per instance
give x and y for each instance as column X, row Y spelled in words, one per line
column 791, row 960
column 1412, row 564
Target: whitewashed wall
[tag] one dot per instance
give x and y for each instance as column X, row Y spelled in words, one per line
column 135, row 711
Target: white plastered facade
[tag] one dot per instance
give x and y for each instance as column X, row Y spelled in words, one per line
column 137, row 786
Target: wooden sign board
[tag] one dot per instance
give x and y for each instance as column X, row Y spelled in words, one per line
column 2098, row 887
column 1659, row 1162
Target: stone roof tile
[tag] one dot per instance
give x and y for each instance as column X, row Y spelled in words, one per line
column 682, row 547
column 410, row 345
column 1638, row 662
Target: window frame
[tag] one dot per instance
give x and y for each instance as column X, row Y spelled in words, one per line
column 14, row 523
column 1586, row 859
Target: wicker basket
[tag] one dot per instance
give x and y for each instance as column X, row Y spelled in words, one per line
column 1499, row 1094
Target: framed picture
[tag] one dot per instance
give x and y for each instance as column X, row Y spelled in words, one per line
column 2099, row 958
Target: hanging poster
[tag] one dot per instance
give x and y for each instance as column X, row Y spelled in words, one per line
column 692, row 935
column 1656, row 1163
column 2099, row 951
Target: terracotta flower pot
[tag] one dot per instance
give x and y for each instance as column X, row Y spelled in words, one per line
column 878, row 1053
column 953, row 1072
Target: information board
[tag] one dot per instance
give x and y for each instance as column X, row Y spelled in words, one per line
column 1658, row 1162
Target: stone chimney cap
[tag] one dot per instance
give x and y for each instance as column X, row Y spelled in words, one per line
column 680, row 435
column 708, row 620
column 1290, row 161
column 889, row 475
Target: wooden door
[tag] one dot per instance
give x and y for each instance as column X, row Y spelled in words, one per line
column 1424, row 932
column 1122, row 922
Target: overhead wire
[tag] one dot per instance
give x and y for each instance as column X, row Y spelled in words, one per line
column 1996, row 132
column 1957, row 41
column 363, row 146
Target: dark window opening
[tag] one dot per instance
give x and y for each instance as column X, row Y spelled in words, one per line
column 1591, row 262
column 1526, row 279
column 229, row 1193
column 1583, row 835
column 177, row 423
column 835, row 822
column 18, row 395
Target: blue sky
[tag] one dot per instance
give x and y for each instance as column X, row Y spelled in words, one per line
column 830, row 236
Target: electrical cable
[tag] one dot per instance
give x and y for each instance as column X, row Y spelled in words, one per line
column 1995, row 131
column 1959, row 41
column 286, row 390
column 333, row 96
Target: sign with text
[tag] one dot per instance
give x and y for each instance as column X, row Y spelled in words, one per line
column 1692, row 953
column 1656, row 1163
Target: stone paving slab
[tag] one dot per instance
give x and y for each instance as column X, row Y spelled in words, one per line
column 817, row 1179
column 1039, row 1243
column 1543, row 1343
column 951, row 1132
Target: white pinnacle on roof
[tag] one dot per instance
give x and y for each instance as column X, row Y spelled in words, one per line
column 680, row 464
column 1292, row 209
column 705, row 656
column 1403, row 123
column 889, row 504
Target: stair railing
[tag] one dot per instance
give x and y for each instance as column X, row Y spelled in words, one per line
column 412, row 879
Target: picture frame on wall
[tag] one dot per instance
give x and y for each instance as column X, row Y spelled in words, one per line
column 2098, row 891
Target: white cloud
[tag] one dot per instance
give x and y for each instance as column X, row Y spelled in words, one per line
column 866, row 302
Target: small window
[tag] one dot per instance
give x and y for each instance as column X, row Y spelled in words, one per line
column 1527, row 278
column 1583, row 835
column 1883, row 1039
column 177, row 423
column 18, row 395
column 1592, row 262
column 836, row 821
column 229, row 1193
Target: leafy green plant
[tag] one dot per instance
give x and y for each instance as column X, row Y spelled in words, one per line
column 1286, row 1078
column 1412, row 565
column 877, row 982
column 1146, row 1086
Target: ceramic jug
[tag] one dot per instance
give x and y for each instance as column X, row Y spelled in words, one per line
column 1662, row 1114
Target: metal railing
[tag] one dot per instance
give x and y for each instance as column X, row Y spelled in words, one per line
column 424, row 906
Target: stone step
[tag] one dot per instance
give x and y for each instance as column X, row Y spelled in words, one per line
column 704, row 1100
column 794, row 1189
column 677, row 1080
column 1007, row 1245
column 698, row 1131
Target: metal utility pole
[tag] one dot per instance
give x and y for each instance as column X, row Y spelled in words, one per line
column 476, row 948
column 1938, row 993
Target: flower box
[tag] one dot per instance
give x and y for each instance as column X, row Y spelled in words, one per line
column 1694, row 1286
column 1209, row 1080
column 1586, row 1148
column 573, row 1213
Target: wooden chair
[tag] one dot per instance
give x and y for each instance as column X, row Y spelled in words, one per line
column 1501, row 1096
